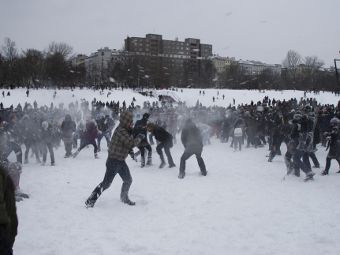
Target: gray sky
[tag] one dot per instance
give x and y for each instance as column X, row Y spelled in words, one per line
column 261, row 30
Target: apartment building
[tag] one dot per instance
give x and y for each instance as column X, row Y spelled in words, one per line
column 220, row 63
column 161, row 57
column 251, row 67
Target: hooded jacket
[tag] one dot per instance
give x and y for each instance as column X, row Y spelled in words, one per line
column 122, row 140
column 68, row 127
column 8, row 216
column 191, row 136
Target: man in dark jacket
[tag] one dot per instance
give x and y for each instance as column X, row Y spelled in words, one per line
column 8, row 216
column 121, row 144
column 165, row 141
column 192, row 142
column 47, row 142
column 298, row 146
column 30, row 127
column 140, row 128
column 68, row 127
column 333, row 145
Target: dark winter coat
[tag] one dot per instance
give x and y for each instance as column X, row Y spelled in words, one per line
column 140, row 128
column 47, row 135
column 334, row 144
column 68, row 126
column 4, row 141
column 161, row 134
column 91, row 131
column 191, row 137
column 8, row 216
column 105, row 124
column 122, row 140
column 30, row 129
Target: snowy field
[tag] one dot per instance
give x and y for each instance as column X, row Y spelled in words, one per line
column 190, row 96
column 241, row 207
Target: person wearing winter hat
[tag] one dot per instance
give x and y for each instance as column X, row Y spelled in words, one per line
column 122, row 142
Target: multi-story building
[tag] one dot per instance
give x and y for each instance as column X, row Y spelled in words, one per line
column 98, row 63
column 161, row 58
column 250, row 67
column 78, row 60
column 154, row 45
column 220, row 63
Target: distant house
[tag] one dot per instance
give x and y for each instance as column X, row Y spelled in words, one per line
column 220, row 63
column 251, row 67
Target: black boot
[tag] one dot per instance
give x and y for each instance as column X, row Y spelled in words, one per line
column 94, row 196
column 162, row 161
column 181, row 175
column 324, row 172
column 172, row 165
column 142, row 162
column 149, row 160
column 124, row 197
column 89, row 203
column 128, row 201
column 309, row 176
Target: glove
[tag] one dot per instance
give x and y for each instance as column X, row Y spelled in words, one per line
column 132, row 155
column 140, row 136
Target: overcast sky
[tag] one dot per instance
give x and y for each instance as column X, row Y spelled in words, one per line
column 261, row 30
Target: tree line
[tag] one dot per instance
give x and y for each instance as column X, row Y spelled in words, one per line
column 52, row 68
column 297, row 73
column 35, row 68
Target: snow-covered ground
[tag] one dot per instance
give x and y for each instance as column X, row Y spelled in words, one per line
column 190, row 96
column 241, row 207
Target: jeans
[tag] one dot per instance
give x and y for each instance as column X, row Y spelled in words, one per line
column 84, row 143
column 114, row 166
column 166, row 145
column 49, row 147
column 187, row 154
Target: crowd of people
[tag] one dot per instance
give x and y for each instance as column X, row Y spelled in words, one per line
column 303, row 125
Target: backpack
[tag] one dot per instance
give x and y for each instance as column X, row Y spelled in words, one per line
column 238, row 132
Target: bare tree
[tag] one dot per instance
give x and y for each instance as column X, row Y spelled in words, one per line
column 61, row 48
column 33, row 61
column 311, row 69
column 292, row 60
column 291, row 63
column 9, row 50
column 314, row 63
